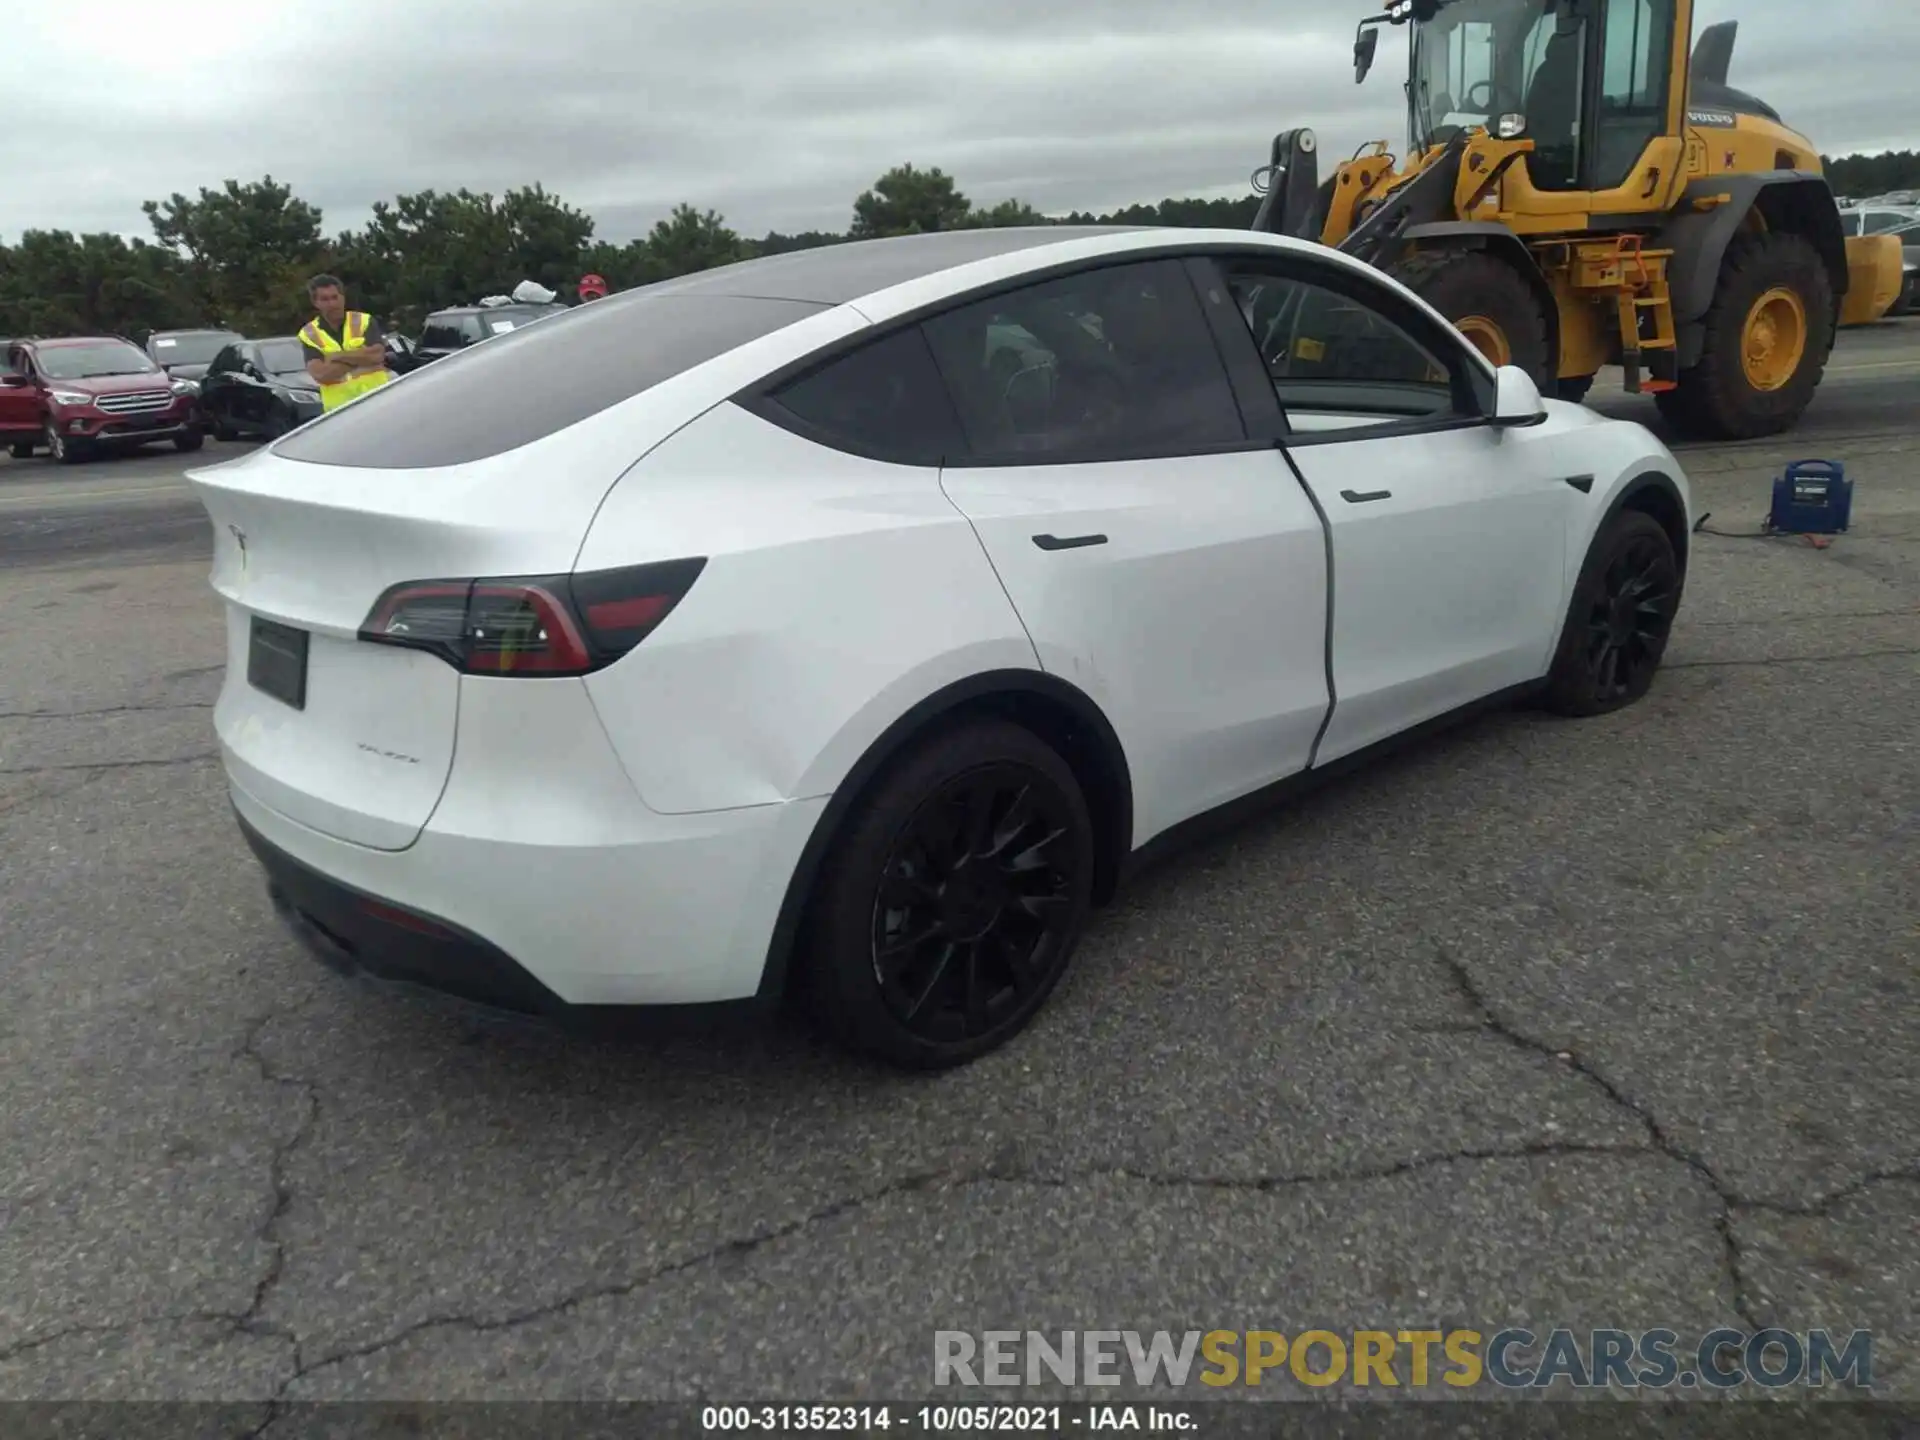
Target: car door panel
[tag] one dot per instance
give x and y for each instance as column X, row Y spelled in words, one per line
column 19, row 404
column 1162, row 561
column 1448, row 534
column 1449, row 573
column 1198, row 624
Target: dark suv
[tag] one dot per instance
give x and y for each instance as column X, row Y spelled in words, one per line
column 459, row 326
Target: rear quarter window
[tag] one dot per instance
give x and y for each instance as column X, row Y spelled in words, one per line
column 884, row 400
column 528, row 383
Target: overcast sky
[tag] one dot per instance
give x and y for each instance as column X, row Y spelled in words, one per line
column 775, row 113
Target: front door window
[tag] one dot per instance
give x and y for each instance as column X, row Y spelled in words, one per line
column 1635, row 71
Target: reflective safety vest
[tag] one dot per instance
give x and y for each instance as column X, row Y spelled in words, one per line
column 353, row 336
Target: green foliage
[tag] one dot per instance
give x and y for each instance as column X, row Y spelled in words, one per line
column 241, row 247
column 687, row 241
column 54, row 283
column 241, row 255
column 1864, row 176
column 429, row 249
column 906, row 201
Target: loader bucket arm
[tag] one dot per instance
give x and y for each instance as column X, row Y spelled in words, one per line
column 1292, row 181
column 1428, row 197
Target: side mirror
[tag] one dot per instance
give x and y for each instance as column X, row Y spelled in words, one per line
column 1365, row 45
column 12, row 380
column 1516, row 399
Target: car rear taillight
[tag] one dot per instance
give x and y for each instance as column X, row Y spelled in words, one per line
column 543, row 625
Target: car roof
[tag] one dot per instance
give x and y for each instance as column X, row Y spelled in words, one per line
column 839, row 273
column 199, row 330
column 715, row 331
column 65, row 340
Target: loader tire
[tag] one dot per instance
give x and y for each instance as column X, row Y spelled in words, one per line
column 1768, row 334
column 1489, row 302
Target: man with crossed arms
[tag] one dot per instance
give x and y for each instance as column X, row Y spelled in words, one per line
column 345, row 350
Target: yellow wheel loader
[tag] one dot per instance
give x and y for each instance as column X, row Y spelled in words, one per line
column 1580, row 191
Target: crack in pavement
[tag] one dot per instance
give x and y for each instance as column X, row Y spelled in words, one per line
column 1812, row 617
column 1789, row 660
column 112, row 765
column 940, row 1180
column 1656, row 1134
column 245, row 1321
column 308, row 1092
column 118, row 1327
column 1732, row 1203
column 1659, row 1144
column 276, row 1404
column 21, row 803
column 105, row 710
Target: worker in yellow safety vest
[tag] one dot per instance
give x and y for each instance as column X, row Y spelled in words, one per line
column 345, row 351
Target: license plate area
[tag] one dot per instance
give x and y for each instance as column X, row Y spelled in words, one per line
column 277, row 662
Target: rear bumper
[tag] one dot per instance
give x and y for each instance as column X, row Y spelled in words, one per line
column 358, row 934
column 678, row 912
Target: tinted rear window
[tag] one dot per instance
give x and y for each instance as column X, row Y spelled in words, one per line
column 524, row 385
column 885, row 400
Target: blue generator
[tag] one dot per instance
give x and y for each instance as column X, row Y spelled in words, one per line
column 1813, row 497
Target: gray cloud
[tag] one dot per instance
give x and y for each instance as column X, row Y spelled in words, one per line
column 775, row 114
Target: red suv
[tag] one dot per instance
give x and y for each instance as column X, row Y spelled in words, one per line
column 81, row 395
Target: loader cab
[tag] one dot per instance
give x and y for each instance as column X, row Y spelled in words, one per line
column 1593, row 83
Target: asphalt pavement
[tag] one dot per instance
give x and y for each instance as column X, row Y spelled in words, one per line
column 1612, row 1023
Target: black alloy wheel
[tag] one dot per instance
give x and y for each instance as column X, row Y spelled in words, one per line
column 1620, row 621
column 975, row 904
column 953, row 898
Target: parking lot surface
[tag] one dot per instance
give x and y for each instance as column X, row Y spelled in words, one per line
column 1609, row 1023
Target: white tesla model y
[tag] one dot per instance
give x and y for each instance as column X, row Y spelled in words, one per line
column 849, row 623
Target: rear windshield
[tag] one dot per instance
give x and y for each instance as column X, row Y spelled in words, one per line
column 194, row 348
column 282, row 357
column 531, row 381
column 500, row 321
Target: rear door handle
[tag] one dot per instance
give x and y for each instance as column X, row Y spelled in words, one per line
column 1069, row 542
column 1361, row 497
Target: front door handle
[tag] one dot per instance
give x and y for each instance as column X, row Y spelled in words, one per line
column 1070, row 542
column 1361, row 497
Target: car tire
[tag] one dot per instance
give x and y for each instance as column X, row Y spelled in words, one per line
column 21, row 449
column 223, row 431
column 186, row 444
column 1619, row 620
column 952, row 900
column 62, row 451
